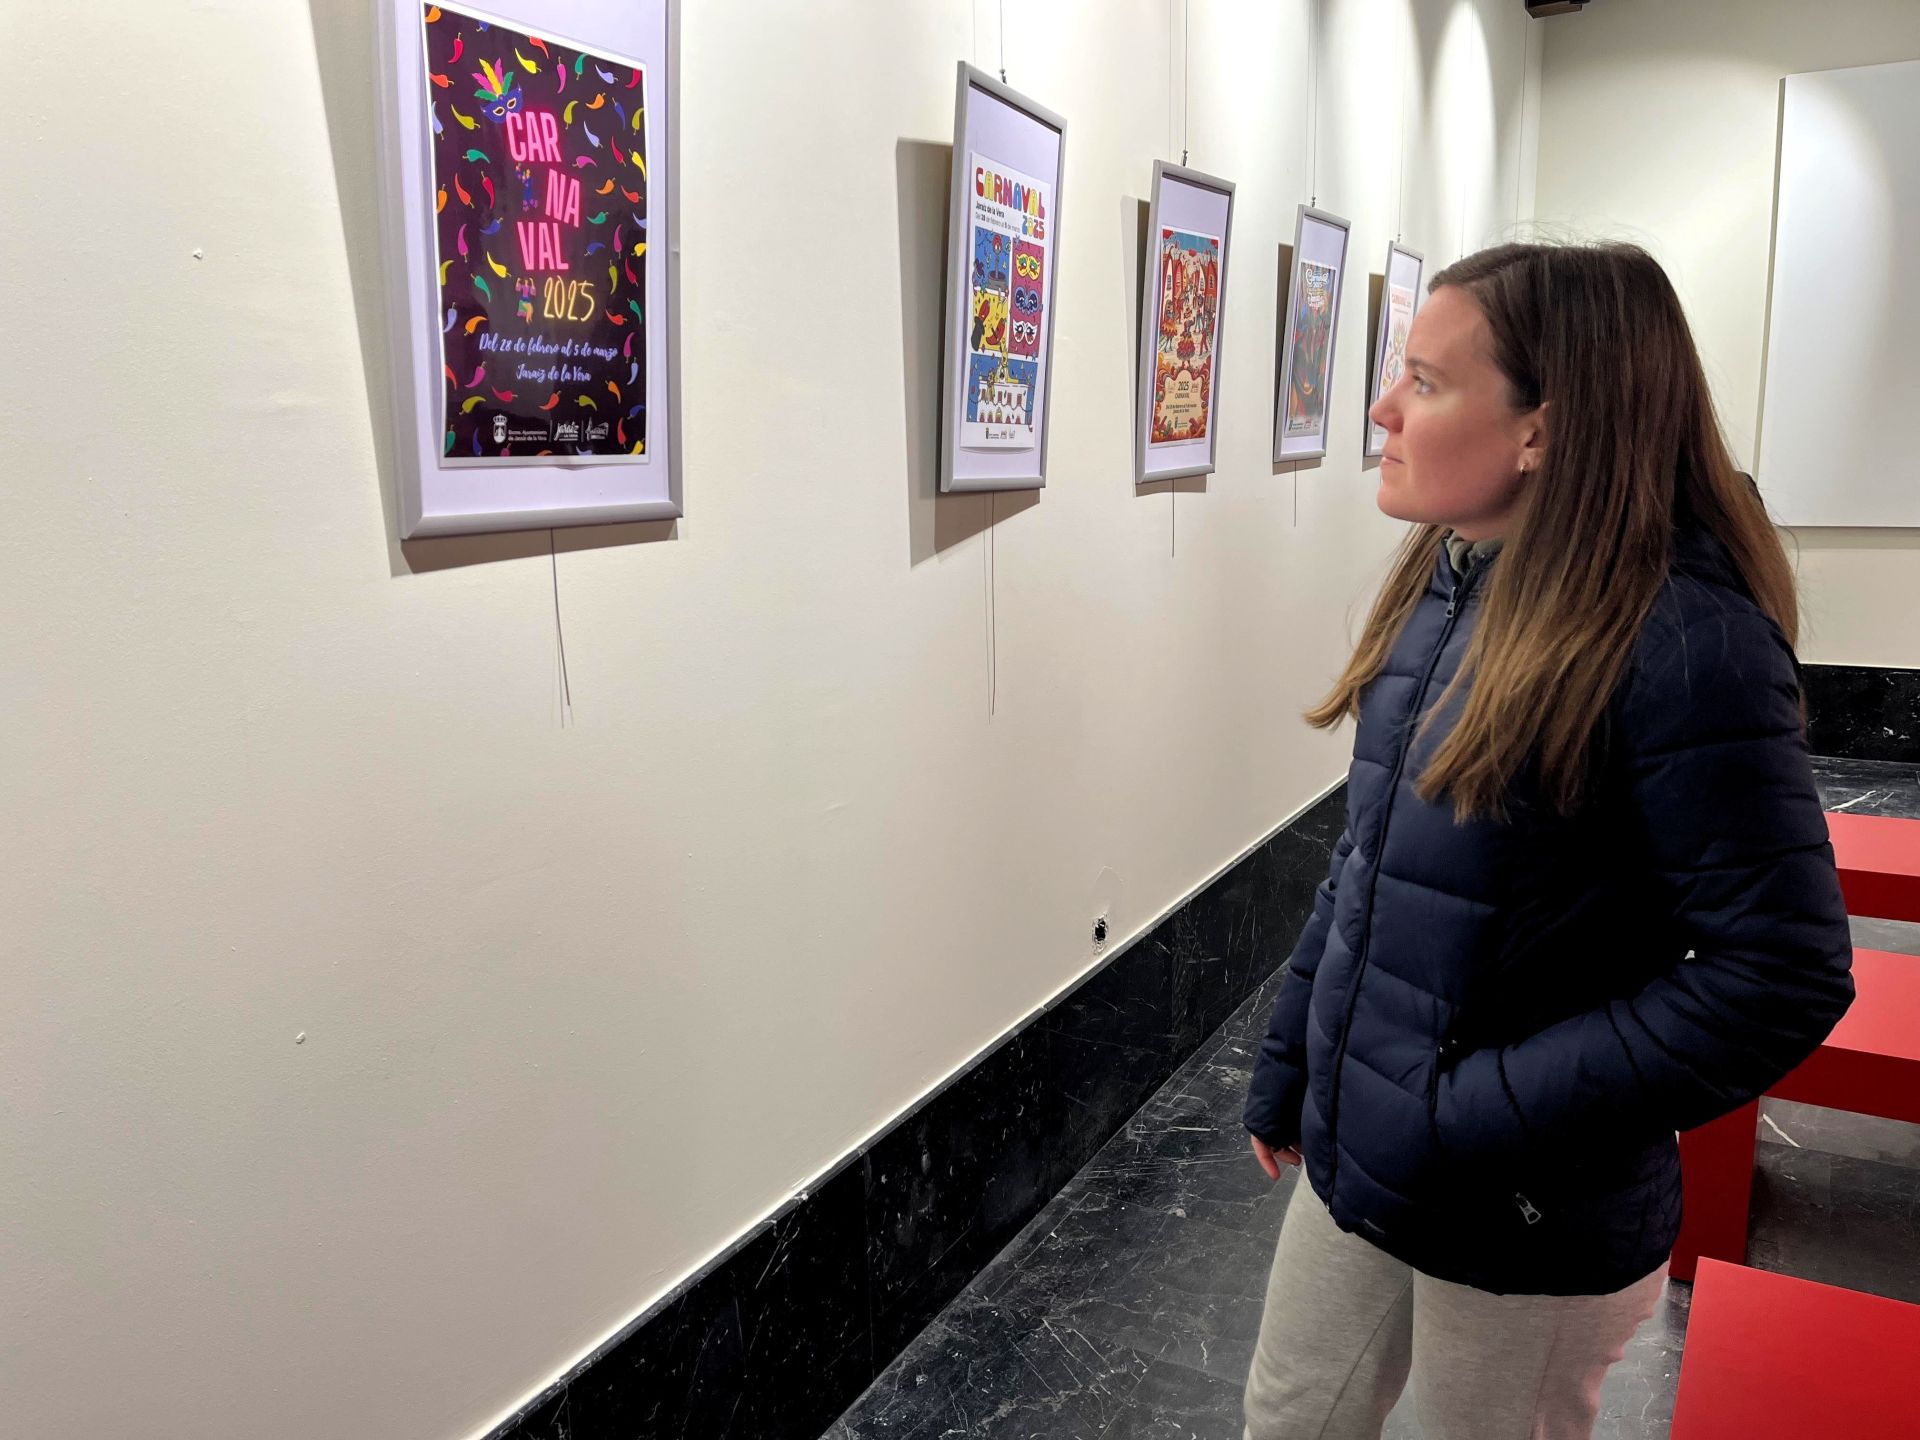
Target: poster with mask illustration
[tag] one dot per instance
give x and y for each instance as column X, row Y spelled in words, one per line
column 540, row 176
column 1003, row 252
column 1309, row 331
column 1029, row 298
column 528, row 153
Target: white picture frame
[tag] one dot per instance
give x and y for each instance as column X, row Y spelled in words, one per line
column 1183, row 309
column 1309, row 326
column 1400, row 299
column 996, row 385
column 586, row 483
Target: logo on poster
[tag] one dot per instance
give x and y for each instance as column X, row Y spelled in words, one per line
column 499, row 429
column 525, row 433
column 566, row 430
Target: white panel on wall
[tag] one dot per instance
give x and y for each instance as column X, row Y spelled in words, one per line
column 1841, row 361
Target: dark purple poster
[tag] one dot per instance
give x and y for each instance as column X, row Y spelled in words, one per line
column 540, row 180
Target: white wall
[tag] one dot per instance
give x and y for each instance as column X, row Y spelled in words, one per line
column 1660, row 124
column 582, row 1002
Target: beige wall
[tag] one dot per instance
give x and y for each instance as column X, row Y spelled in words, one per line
column 1659, row 123
column 582, row 1003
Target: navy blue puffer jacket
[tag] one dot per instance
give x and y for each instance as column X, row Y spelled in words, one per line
column 1489, row 1033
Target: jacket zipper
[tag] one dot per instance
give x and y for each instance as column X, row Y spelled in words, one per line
column 1461, row 587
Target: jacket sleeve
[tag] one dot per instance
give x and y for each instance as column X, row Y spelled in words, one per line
column 1721, row 805
column 1280, row 1069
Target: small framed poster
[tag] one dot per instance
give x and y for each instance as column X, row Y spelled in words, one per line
column 1189, row 230
column 529, row 217
column 1309, row 325
column 1003, row 286
column 1399, row 301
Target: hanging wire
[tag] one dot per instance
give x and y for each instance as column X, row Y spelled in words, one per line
column 1520, row 140
column 1306, row 130
column 1313, row 54
column 989, row 551
column 560, row 633
column 1186, row 71
column 993, row 603
column 1400, row 165
column 1307, row 119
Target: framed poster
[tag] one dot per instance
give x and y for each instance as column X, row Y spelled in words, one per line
column 1003, row 286
column 529, row 216
column 1177, row 421
column 1399, row 301
column 1309, row 326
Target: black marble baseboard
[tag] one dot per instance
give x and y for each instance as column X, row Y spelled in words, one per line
column 779, row 1335
column 1861, row 712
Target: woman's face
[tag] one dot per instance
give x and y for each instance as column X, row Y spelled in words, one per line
column 1456, row 448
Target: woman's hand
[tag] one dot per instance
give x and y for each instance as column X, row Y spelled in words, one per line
column 1271, row 1159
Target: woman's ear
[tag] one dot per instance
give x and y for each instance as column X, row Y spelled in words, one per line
column 1533, row 433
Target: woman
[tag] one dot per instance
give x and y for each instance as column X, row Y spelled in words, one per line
column 1585, row 897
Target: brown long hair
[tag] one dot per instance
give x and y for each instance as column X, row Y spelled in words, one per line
column 1634, row 449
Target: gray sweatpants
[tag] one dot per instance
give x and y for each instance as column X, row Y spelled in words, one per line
column 1346, row 1324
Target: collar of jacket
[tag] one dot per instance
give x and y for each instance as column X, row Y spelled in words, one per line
column 1463, row 554
column 1697, row 552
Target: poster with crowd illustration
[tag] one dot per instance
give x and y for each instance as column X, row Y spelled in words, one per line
column 1183, row 310
column 1189, row 290
column 540, row 193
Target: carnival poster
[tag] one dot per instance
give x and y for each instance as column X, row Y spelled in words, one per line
column 540, row 187
column 1312, row 348
column 1007, row 312
column 1189, row 288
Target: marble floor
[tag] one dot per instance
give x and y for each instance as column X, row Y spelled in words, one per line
column 1129, row 1306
